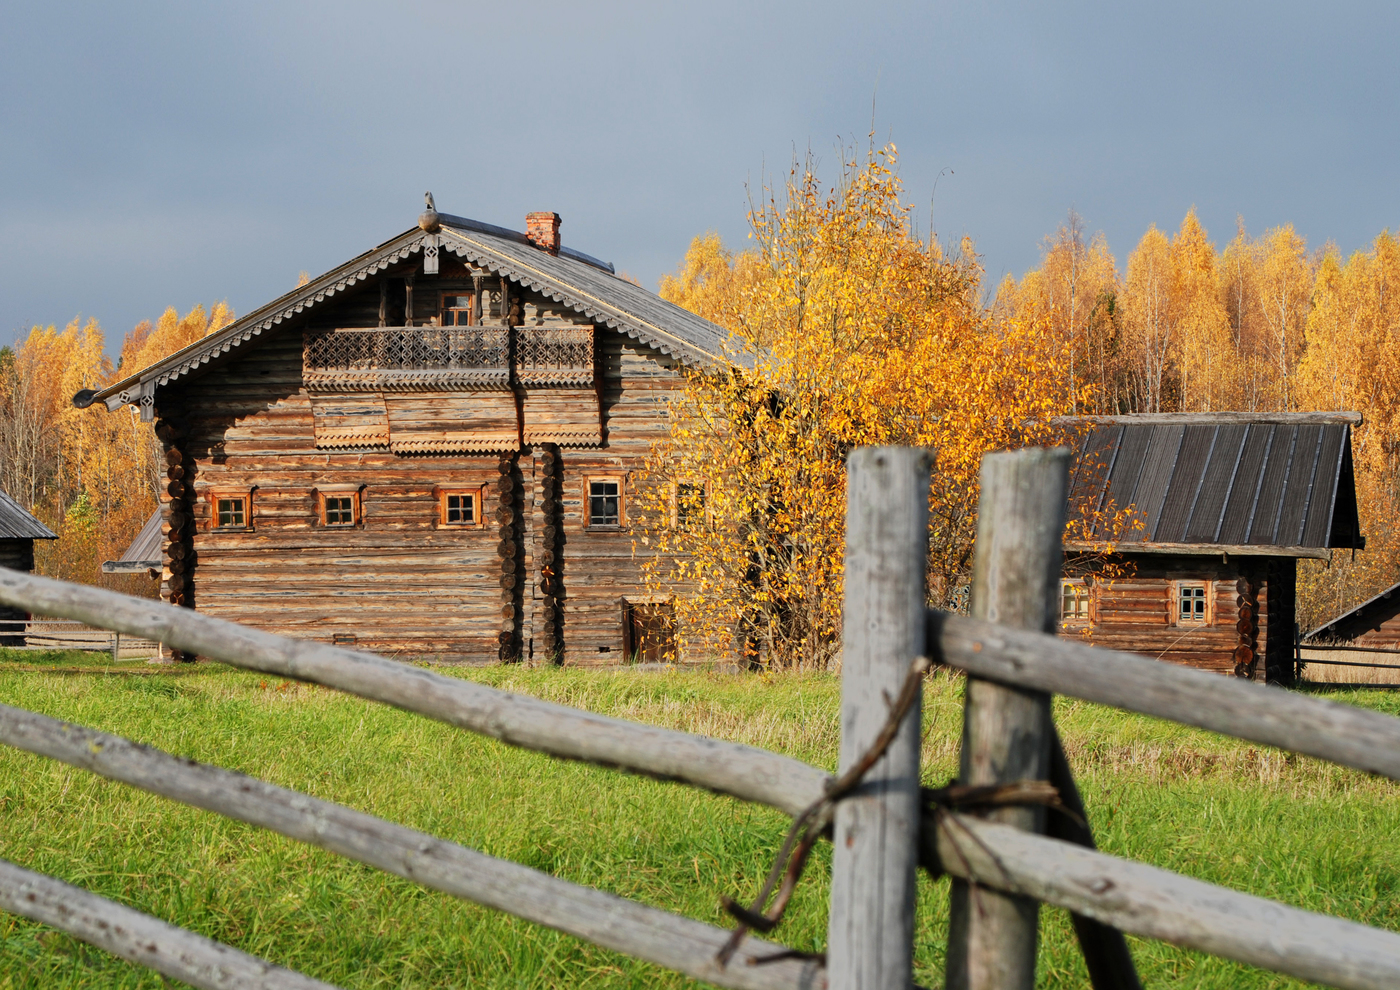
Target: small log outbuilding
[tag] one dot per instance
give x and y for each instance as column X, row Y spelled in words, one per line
column 1225, row 505
column 18, row 531
column 1374, row 623
column 430, row 451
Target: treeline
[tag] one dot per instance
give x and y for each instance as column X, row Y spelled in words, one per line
column 1263, row 325
column 92, row 477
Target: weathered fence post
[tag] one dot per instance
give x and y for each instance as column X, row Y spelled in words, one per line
column 1007, row 732
column 870, row 939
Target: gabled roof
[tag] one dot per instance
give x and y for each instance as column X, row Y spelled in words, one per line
column 1360, row 618
column 143, row 553
column 1244, row 483
column 571, row 277
column 16, row 524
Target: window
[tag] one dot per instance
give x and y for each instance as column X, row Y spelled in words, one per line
column 690, row 505
column 1074, row 601
column 459, row 507
column 338, row 506
column 232, row 513
column 458, row 309
column 605, row 502
column 1191, row 603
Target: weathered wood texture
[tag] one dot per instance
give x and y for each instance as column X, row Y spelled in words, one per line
column 1353, row 737
column 871, row 932
column 517, row 720
column 1155, row 903
column 1007, row 731
column 17, row 555
column 140, row 938
column 1247, row 630
column 605, row 919
column 400, row 582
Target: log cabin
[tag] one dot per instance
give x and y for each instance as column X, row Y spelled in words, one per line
column 18, row 531
column 1374, row 623
column 429, row 451
column 1225, row 504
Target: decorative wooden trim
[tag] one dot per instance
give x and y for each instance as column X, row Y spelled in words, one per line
column 620, row 478
column 440, row 496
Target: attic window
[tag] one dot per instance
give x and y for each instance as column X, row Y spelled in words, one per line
column 458, row 309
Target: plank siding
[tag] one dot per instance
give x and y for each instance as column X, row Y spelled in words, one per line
column 398, row 581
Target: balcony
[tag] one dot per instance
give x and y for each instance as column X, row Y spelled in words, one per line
column 413, row 359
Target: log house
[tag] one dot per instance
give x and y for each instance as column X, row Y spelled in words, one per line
column 1226, row 504
column 428, row 452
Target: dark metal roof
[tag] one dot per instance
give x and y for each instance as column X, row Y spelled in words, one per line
column 571, row 277
column 1282, row 484
column 147, row 544
column 1359, row 618
column 16, row 524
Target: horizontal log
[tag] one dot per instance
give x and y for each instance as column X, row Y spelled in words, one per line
column 140, row 938
column 729, row 768
column 605, row 919
column 1155, row 903
column 1353, row 737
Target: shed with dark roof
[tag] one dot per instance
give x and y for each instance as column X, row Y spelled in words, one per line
column 429, row 451
column 1375, row 622
column 1218, row 508
column 18, row 531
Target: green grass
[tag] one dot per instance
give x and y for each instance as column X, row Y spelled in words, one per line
column 1303, row 832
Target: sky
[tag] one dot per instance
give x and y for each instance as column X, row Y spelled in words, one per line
column 167, row 154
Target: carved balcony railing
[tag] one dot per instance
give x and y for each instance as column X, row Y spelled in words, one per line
column 447, row 358
column 407, row 358
column 554, row 356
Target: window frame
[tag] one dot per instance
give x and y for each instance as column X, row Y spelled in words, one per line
column 704, row 520
column 470, row 309
column 352, row 492
column 1083, row 592
column 245, row 495
column 1207, row 616
column 442, row 492
column 620, row 480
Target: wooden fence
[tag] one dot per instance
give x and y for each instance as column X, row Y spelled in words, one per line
column 62, row 634
column 991, row 833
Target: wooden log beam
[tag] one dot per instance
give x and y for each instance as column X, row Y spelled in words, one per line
column 1350, row 736
column 1007, row 730
column 605, row 919
column 874, row 864
column 140, row 938
column 518, row 720
column 1155, row 903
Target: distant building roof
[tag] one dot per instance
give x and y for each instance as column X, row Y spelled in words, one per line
column 1366, row 617
column 1278, row 485
column 583, row 283
column 144, row 552
column 16, row 524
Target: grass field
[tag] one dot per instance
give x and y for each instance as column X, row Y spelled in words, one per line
column 1306, row 833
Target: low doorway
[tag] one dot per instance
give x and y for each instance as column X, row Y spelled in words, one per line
column 650, row 632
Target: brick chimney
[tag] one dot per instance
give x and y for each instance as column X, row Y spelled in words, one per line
column 542, row 230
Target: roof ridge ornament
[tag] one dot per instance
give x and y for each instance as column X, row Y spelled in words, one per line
column 429, row 221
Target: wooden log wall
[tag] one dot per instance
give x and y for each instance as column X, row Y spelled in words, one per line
column 533, row 579
column 17, row 555
column 1248, row 632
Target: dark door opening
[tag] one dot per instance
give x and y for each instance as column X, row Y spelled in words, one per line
column 651, row 632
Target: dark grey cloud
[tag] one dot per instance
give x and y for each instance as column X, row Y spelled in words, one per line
column 170, row 153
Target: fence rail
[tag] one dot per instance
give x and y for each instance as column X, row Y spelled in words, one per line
column 870, row 936
column 61, row 634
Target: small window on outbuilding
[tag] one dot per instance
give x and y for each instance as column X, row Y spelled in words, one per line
column 1191, row 603
column 1074, row 601
column 605, row 502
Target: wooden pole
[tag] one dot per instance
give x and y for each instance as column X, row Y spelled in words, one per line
column 870, row 940
column 140, row 938
column 1007, row 731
